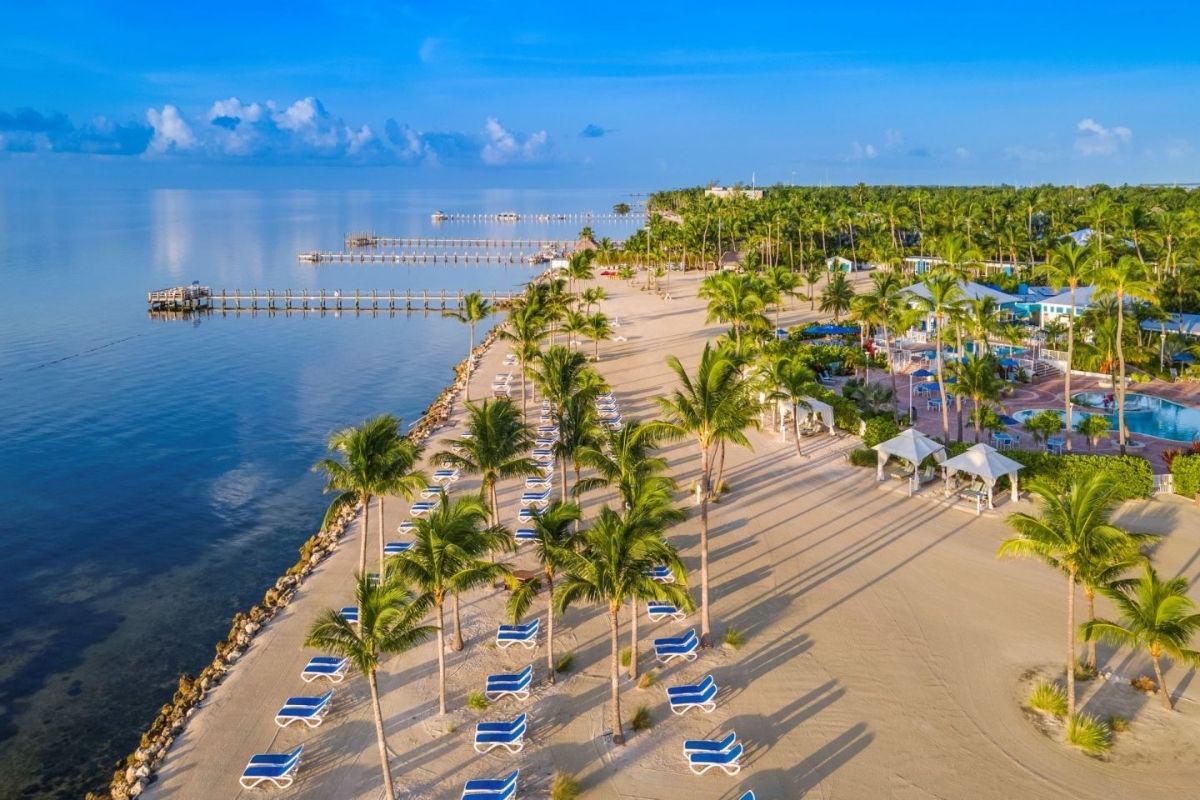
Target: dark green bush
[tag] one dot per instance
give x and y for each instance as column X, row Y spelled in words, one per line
column 1132, row 475
column 862, row 457
column 879, row 429
column 1186, row 475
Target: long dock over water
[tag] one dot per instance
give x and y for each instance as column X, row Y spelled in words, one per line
column 203, row 298
column 362, row 257
column 366, row 240
column 510, row 216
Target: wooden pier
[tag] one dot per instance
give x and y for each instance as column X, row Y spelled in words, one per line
column 363, row 257
column 318, row 300
column 355, row 241
column 510, row 216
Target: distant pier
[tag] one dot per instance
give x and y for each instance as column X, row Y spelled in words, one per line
column 356, row 241
column 202, row 298
column 512, row 216
column 362, row 257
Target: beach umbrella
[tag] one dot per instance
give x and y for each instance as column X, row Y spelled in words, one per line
column 928, row 387
column 1185, row 358
column 1008, row 363
column 923, row 373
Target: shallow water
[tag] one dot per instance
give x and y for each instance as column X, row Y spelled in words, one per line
column 156, row 473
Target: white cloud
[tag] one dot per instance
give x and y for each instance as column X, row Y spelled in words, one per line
column 503, row 147
column 859, row 152
column 170, row 130
column 1094, row 139
column 1177, row 148
column 428, row 49
column 892, row 139
column 962, row 153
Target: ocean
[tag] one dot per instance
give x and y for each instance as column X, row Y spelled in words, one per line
column 156, row 473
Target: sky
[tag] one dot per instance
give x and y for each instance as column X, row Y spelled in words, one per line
column 636, row 96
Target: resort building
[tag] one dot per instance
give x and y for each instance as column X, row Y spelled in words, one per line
column 726, row 192
column 1179, row 324
column 1059, row 306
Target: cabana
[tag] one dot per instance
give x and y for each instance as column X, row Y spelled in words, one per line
column 989, row 465
column 809, row 407
column 912, row 446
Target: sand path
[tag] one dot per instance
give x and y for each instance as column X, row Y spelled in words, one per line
column 884, row 643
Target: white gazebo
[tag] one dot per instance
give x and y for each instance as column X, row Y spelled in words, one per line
column 986, row 463
column 912, row 446
column 809, row 407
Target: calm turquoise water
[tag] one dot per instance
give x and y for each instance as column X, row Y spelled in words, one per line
column 1144, row 414
column 156, row 473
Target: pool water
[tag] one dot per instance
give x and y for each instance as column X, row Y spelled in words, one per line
column 1144, row 414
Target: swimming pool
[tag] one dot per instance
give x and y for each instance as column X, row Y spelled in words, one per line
column 1144, row 414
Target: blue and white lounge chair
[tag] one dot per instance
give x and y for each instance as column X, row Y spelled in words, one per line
column 702, row 695
column 333, row 669
column 536, row 498
column 309, row 710
column 525, row 535
column 671, row 647
column 662, row 574
column 396, row 548
column 536, row 482
column 524, row 635
column 749, row 795
column 406, row 526
column 509, row 735
column 547, row 430
column 445, row 476
column 657, row 611
column 350, row 614
column 728, row 761
column 527, row 514
column 709, row 745
column 541, row 444
column 422, row 507
column 543, row 452
column 277, row 768
column 514, row 684
column 502, row 789
column 432, row 490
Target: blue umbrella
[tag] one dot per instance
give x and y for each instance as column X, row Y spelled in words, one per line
column 1186, row 358
column 1008, row 363
column 927, row 387
column 923, row 373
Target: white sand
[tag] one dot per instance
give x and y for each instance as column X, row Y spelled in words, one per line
column 885, row 647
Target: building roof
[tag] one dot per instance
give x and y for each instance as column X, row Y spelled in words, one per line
column 1083, row 297
column 971, row 290
column 1188, row 324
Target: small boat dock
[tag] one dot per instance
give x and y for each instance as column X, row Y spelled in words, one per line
column 202, row 298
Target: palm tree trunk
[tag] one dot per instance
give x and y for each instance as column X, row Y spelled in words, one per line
column 1090, row 594
column 382, row 559
column 715, row 485
column 562, row 475
column 524, row 405
column 380, row 739
column 441, row 648
column 618, row 735
column 550, row 625
column 1070, row 360
column 796, row 427
column 1121, row 433
column 705, row 625
column 941, row 372
column 958, row 409
column 1071, row 633
column 495, row 503
column 977, row 415
column 633, row 639
column 887, row 337
column 1162, row 684
column 362, row 545
column 470, row 363
column 456, row 644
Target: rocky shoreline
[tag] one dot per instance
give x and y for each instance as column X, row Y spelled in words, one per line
column 136, row 770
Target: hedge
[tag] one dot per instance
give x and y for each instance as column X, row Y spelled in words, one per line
column 1185, row 471
column 1131, row 475
column 880, row 429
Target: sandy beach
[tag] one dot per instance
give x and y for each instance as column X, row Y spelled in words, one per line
column 884, row 649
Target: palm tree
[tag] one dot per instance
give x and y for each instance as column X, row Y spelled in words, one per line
column 943, row 295
column 579, row 266
column 400, row 477
column 812, row 276
column 598, row 329
column 1105, row 572
column 611, row 568
column 1071, row 531
column 710, row 408
column 837, row 296
column 474, row 309
column 976, row 378
column 626, row 273
column 554, row 531
column 570, row 386
column 387, row 624
column 1069, row 265
column 446, row 559
column 1125, row 280
column 592, row 296
column 1157, row 616
column 575, row 324
column 365, row 471
column 496, row 447
column 621, row 209
column 732, row 299
column 782, row 283
column 796, row 382
column 526, row 328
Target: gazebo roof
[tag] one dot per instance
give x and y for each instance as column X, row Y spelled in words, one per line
column 985, row 461
column 911, row 445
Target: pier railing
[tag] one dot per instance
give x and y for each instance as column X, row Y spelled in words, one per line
column 318, row 300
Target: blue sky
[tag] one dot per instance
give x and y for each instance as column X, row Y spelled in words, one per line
column 641, row 96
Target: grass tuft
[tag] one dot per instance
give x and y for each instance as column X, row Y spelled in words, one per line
column 565, row 662
column 1084, row 671
column 646, row 680
column 625, row 656
column 1144, row 683
column 477, row 701
column 734, row 637
column 641, row 721
column 564, row 787
column 1089, row 734
column 1049, row 698
column 1118, row 724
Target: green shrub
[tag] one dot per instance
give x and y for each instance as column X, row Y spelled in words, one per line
column 564, row 662
column 734, row 637
column 845, row 412
column 1131, row 475
column 1089, row 734
column 1185, row 472
column 862, row 457
column 1118, row 724
column 1093, row 427
column 477, row 701
column 564, row 787
column 1044, row 424
column 625, row 656
column 1085, row 671
column 641, row 721
column 646, row 680
column 879, row 429
column 1048, row 698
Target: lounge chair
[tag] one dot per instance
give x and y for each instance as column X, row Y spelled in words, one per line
column 534, row 482
column 749, row 795
column 503, row 789
column 524, row 635
column 509, row 735
column 702, row 695
column 672, row 647
column 445, row 475
column 657, row 611
column 277, row 768
column 527, row 514
column 662, row 574
column 709, row 745
column 547, row 430
column 350, row 614
column 422, row 507
column 396, row 548
column 405, row 527
column 543, row 452
column 728, row 761
column 334, row 669
column 614, row 425
column 309, row 710
column 514, row 684
column 432, row 490
column 525, row 535
column 536, row 498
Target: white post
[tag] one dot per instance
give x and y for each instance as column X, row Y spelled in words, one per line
column 1016, row 493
